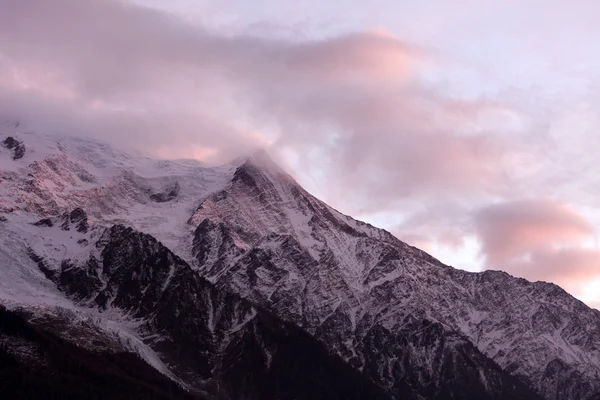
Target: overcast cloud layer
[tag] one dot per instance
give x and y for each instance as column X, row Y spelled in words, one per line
column 476, row 141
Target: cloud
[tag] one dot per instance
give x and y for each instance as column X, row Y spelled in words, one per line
column 538, row 240
column 511, row 228
column 568, row 267
column 145, row 70
column 359, row 96
column 383, row 127
column 436, row 223
column 163, row 132
column 109, row 47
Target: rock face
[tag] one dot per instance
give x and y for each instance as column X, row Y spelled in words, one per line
column 391, row 310
column 77, row 217
column 212, row 340
column 17, row 147
column 244, row 286
column 166, row 195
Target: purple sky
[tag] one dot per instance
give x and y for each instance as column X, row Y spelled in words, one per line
column 467, row 128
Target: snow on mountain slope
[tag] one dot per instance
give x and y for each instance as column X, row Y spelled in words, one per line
column 390, row 310
column 24, row 286
column 263, row 200
column 139, row 296
column 264, row 237
column 58, row 174
column 61, row 252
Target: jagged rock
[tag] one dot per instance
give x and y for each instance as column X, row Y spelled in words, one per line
column 86, row 177
column 47, row 222
column 66, row 223
column 41, row 264
column 388, row 309
column 358, row 290
column 17, row 147
column 80, row 219
column 77, row 217
column 213, row 339
column 167, row 195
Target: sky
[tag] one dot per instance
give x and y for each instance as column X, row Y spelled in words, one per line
column 468, row 128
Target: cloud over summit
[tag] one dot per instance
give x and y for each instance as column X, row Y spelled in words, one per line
column 436, row 140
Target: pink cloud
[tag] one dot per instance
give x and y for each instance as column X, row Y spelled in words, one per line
column 105, row 47
column 140, row 62
column 509, row 229
column 356, row 97
column 538, row 240
column 568, row 267
column 363, row 55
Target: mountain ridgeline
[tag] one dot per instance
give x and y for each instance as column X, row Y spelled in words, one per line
column 235, row 283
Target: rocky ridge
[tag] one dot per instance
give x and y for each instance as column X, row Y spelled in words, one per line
column 364, row 293
column 249, row 237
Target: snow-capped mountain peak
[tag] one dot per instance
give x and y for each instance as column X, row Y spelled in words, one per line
column 403, row 319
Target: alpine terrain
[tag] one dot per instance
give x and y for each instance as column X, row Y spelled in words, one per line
column 173, row 279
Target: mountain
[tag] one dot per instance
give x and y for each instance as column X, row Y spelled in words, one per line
column 366, row 294
column 241, row 278
column 125, row 301
column 210, row 339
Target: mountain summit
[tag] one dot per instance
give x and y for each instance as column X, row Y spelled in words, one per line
column 229, row 279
